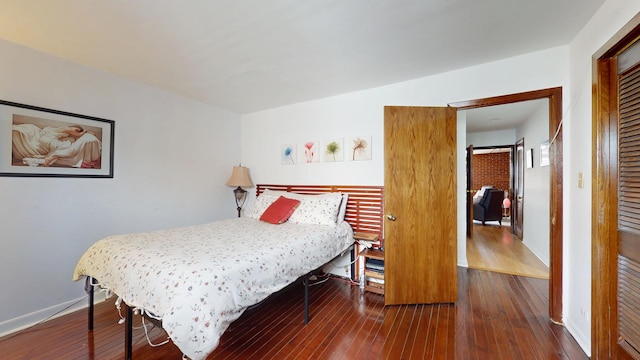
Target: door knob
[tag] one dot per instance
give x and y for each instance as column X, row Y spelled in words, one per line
column 391, row 217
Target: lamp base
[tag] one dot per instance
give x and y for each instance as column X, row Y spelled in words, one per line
column 240, row 195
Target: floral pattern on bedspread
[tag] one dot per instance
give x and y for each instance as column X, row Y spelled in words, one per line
column 199, row 279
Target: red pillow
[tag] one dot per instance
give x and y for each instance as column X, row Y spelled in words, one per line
column 280, row 210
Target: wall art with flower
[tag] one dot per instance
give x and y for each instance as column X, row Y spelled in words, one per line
column 333, row 150
column 309, row 152
column 288, row 155
column 359, row 148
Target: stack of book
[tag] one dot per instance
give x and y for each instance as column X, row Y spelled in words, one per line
column 375, row 265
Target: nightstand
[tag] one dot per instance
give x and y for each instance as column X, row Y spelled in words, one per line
column 373, row 270
column 367, row 240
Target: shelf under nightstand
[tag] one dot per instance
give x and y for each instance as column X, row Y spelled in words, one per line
column 374, row 275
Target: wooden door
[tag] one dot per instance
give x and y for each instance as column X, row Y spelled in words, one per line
column 421, row 205
column 517, row 206
column 616, row 198
column 628, row 212
column 469, row 191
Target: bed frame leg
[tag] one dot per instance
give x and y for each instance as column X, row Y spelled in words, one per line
column 128, row 334
column 89, row 289
column 306, row 299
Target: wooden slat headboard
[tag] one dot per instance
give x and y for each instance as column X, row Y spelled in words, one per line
column 365, row 206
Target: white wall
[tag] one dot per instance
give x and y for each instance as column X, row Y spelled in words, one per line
column 577, row 147
column 461, row 166
column 361, row 113
column 537, row 186
column 172, row 158
column 491, row 138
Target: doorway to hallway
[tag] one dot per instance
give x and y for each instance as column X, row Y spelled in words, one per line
column 554, row 96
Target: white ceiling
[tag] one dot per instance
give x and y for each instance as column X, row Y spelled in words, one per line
column 502, row 117
column 251, row 55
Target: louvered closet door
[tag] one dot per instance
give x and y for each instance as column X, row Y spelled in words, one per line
column 629, row 214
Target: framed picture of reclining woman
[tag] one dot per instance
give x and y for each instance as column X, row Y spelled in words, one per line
column 36, row 141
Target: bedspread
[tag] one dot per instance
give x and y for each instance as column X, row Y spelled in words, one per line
column 199, row 279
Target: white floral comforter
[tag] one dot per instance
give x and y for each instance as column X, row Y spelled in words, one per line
column 199, row 279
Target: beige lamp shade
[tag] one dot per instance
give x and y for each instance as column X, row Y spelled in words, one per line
column 240, row 177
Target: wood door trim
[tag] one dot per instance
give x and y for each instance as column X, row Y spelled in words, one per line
column 518, row 188
column 555, row 236
column 469, row 197
column 604, row 312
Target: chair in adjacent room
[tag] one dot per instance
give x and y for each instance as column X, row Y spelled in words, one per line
column 489, row 208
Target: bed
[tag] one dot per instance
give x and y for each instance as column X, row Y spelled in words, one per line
column 198, row 279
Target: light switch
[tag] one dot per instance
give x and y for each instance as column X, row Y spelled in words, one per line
column 580, row 180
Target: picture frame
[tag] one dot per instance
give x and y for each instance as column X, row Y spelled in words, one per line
column 309, row 152
column 529, row 158
column 288, row 154
column 360, row 148
column 333, row 150
column 41, row 142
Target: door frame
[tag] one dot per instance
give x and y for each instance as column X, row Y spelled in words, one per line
column 517, row 210
column 604, row 304
column 554, row 95
column 469, row 197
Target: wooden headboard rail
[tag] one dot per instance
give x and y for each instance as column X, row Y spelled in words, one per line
column 365, row 206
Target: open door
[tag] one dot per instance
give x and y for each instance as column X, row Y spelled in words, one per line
column 517, row 206
column 469, row 191
column 420, row 161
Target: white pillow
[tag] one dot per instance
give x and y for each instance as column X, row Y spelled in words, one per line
column 321, row 210
column 260, row 205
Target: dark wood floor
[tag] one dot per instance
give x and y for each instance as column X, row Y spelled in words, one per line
column 497, row 316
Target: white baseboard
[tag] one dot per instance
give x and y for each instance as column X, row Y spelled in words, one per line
column 25, row 321
column 581, row 339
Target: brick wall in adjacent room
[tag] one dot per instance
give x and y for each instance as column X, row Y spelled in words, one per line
column 492, row 169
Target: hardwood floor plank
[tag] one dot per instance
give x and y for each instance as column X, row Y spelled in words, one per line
column 386, row 335
column 344, row 335
column 431, row 335
column 326, row 336
column 305, row 345
column 441, row 348
column 497, row 316
column 371, row 318
column 479, row 322
column 463, row 332
column 451, row 336
column 271, row 330
column 494, row 248
column 419, row 333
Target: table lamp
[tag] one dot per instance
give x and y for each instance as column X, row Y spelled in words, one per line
column 240, row 178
